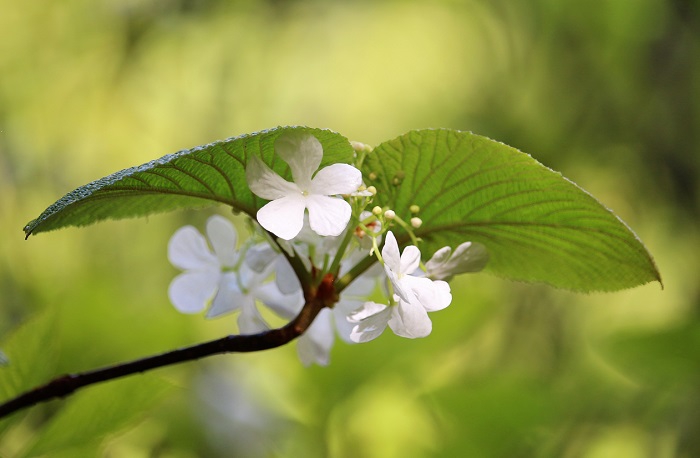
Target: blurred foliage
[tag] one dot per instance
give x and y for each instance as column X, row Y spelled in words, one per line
column 607, row 92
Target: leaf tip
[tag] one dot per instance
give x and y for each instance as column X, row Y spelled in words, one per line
column 28, row 229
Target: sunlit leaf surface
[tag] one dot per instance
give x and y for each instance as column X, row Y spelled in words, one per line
column 536, row 224
column 198, row 177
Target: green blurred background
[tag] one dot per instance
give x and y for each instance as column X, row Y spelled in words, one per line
column 605, row 91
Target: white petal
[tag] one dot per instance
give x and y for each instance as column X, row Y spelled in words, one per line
column 469, row 257
column 432, row 295
column 410, row 319
column 314, row 346
column 191, row 291
column 336, row 179
column 328, row 215
column 443, row 296
column 285, row 305
column 283, row 217
column 188, row 250
column 265, row 183
column 285, row 277
column 368, row 309
column 390, row 253
column 250, row 279
column 440, row 257
column 250, row 321
column 228, row 297
column 341, row 310
column 260, row 256
column 401, row 288
column 371, row 321
column 410, row 259
column 222, row 236
column 303, row 152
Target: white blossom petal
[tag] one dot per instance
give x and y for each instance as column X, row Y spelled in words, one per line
column 443, row 296
column 228, row 297
column 260, row 256
column 432, row 295
column 222, row 236
column 285, row 305
column 467, row 257
column 265, row 182
column 440, row 257
column 410, row 319
column 391, row 254
column 401, row 288
column 303, row 152
column 285, row 277
column 283, row 217
column 188, row 250
column 314, row 346
column 371, row 321
column 410, row 260
column 341, row 311
column 328, row 215
column 250, row 321
column 336, row 179
column 191, row 291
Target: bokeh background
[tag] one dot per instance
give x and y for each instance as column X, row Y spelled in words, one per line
column 605, row 91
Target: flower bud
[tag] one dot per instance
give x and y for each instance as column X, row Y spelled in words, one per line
column 389, row 214
column 372, row 176
column 358, row 146
column 373, row 190
column 416, row 222
column 414, row 208
column 376, row 211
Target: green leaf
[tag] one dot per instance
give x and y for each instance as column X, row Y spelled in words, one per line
column 98, row 411
column 536, row 224
column 201, row 176
column 30, row 351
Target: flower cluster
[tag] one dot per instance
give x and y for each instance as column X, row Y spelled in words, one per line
column 321, row 222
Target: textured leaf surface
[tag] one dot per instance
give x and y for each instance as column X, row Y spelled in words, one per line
column 536, row 224
column 201, row 176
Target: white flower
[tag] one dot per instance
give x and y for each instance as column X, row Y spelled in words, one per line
column 431, row 295
column 191, row 291
column 284, row 214
column 467, row 257
column 217, row 278
column 414, row 297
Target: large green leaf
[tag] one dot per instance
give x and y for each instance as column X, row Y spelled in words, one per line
column 536, row 224
column 201, row 176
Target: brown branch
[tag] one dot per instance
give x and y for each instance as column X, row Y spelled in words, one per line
column 66, row 385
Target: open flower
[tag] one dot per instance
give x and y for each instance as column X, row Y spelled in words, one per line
column 413, row 298
column 220, row 280
column 204, row 276
column 284, row 214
